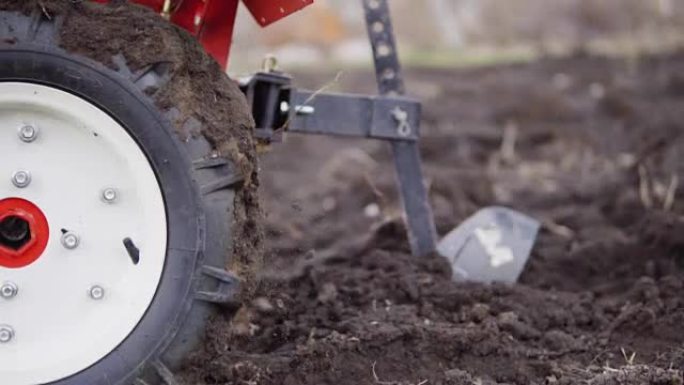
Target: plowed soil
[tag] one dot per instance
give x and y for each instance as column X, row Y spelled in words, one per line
column 591, row 147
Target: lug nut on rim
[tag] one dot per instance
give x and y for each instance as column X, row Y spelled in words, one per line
column 6, row 334
column 8, row 290
column 96, row 292
column 21, row 178
column 70, row 240
column 109, row 195
column 28, row 133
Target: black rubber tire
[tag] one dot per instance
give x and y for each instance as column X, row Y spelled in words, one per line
column 195, row 184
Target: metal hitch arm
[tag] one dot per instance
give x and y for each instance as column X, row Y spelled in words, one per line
column 374, row 117
column 279, row 107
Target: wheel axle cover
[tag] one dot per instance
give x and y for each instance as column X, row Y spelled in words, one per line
column 24, row 233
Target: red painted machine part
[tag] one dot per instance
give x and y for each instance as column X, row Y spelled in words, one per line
column 269, row 11
column 39, row 228
column 212, row 21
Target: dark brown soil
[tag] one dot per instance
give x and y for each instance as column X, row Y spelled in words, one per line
column 596, row 158
column 600, row 301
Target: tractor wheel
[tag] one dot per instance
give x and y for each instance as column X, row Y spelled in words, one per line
column 115, row 228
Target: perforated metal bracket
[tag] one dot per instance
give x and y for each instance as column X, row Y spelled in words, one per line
column 422, row 233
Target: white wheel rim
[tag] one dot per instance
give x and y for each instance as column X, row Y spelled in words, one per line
column 59, row 328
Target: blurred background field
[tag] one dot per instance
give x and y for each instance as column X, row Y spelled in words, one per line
column 448, row 33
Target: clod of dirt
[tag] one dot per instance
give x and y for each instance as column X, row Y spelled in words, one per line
column 675, row 85
column 616, row 105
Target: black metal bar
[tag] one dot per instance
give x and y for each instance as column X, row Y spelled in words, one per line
column 265, row 91
column 354, row 115
column 422, row 232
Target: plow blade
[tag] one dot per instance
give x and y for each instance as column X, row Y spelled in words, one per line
column 493, row 245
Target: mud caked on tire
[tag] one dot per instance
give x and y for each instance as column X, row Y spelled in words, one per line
column 192, row 126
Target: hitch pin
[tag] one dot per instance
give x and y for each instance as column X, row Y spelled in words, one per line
column 302, row 110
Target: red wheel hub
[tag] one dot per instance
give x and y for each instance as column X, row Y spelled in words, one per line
column 24, row 233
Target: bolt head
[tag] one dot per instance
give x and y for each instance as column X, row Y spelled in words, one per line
column 6, row 334
column 21, row 178
column 399, row 114
column 28, row 133
column 70, row 241
column 96, row 292
column 305, row 110
column 109, row 195
column 8, row 290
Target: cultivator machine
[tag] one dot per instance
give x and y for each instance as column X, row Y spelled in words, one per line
column 114, row 231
